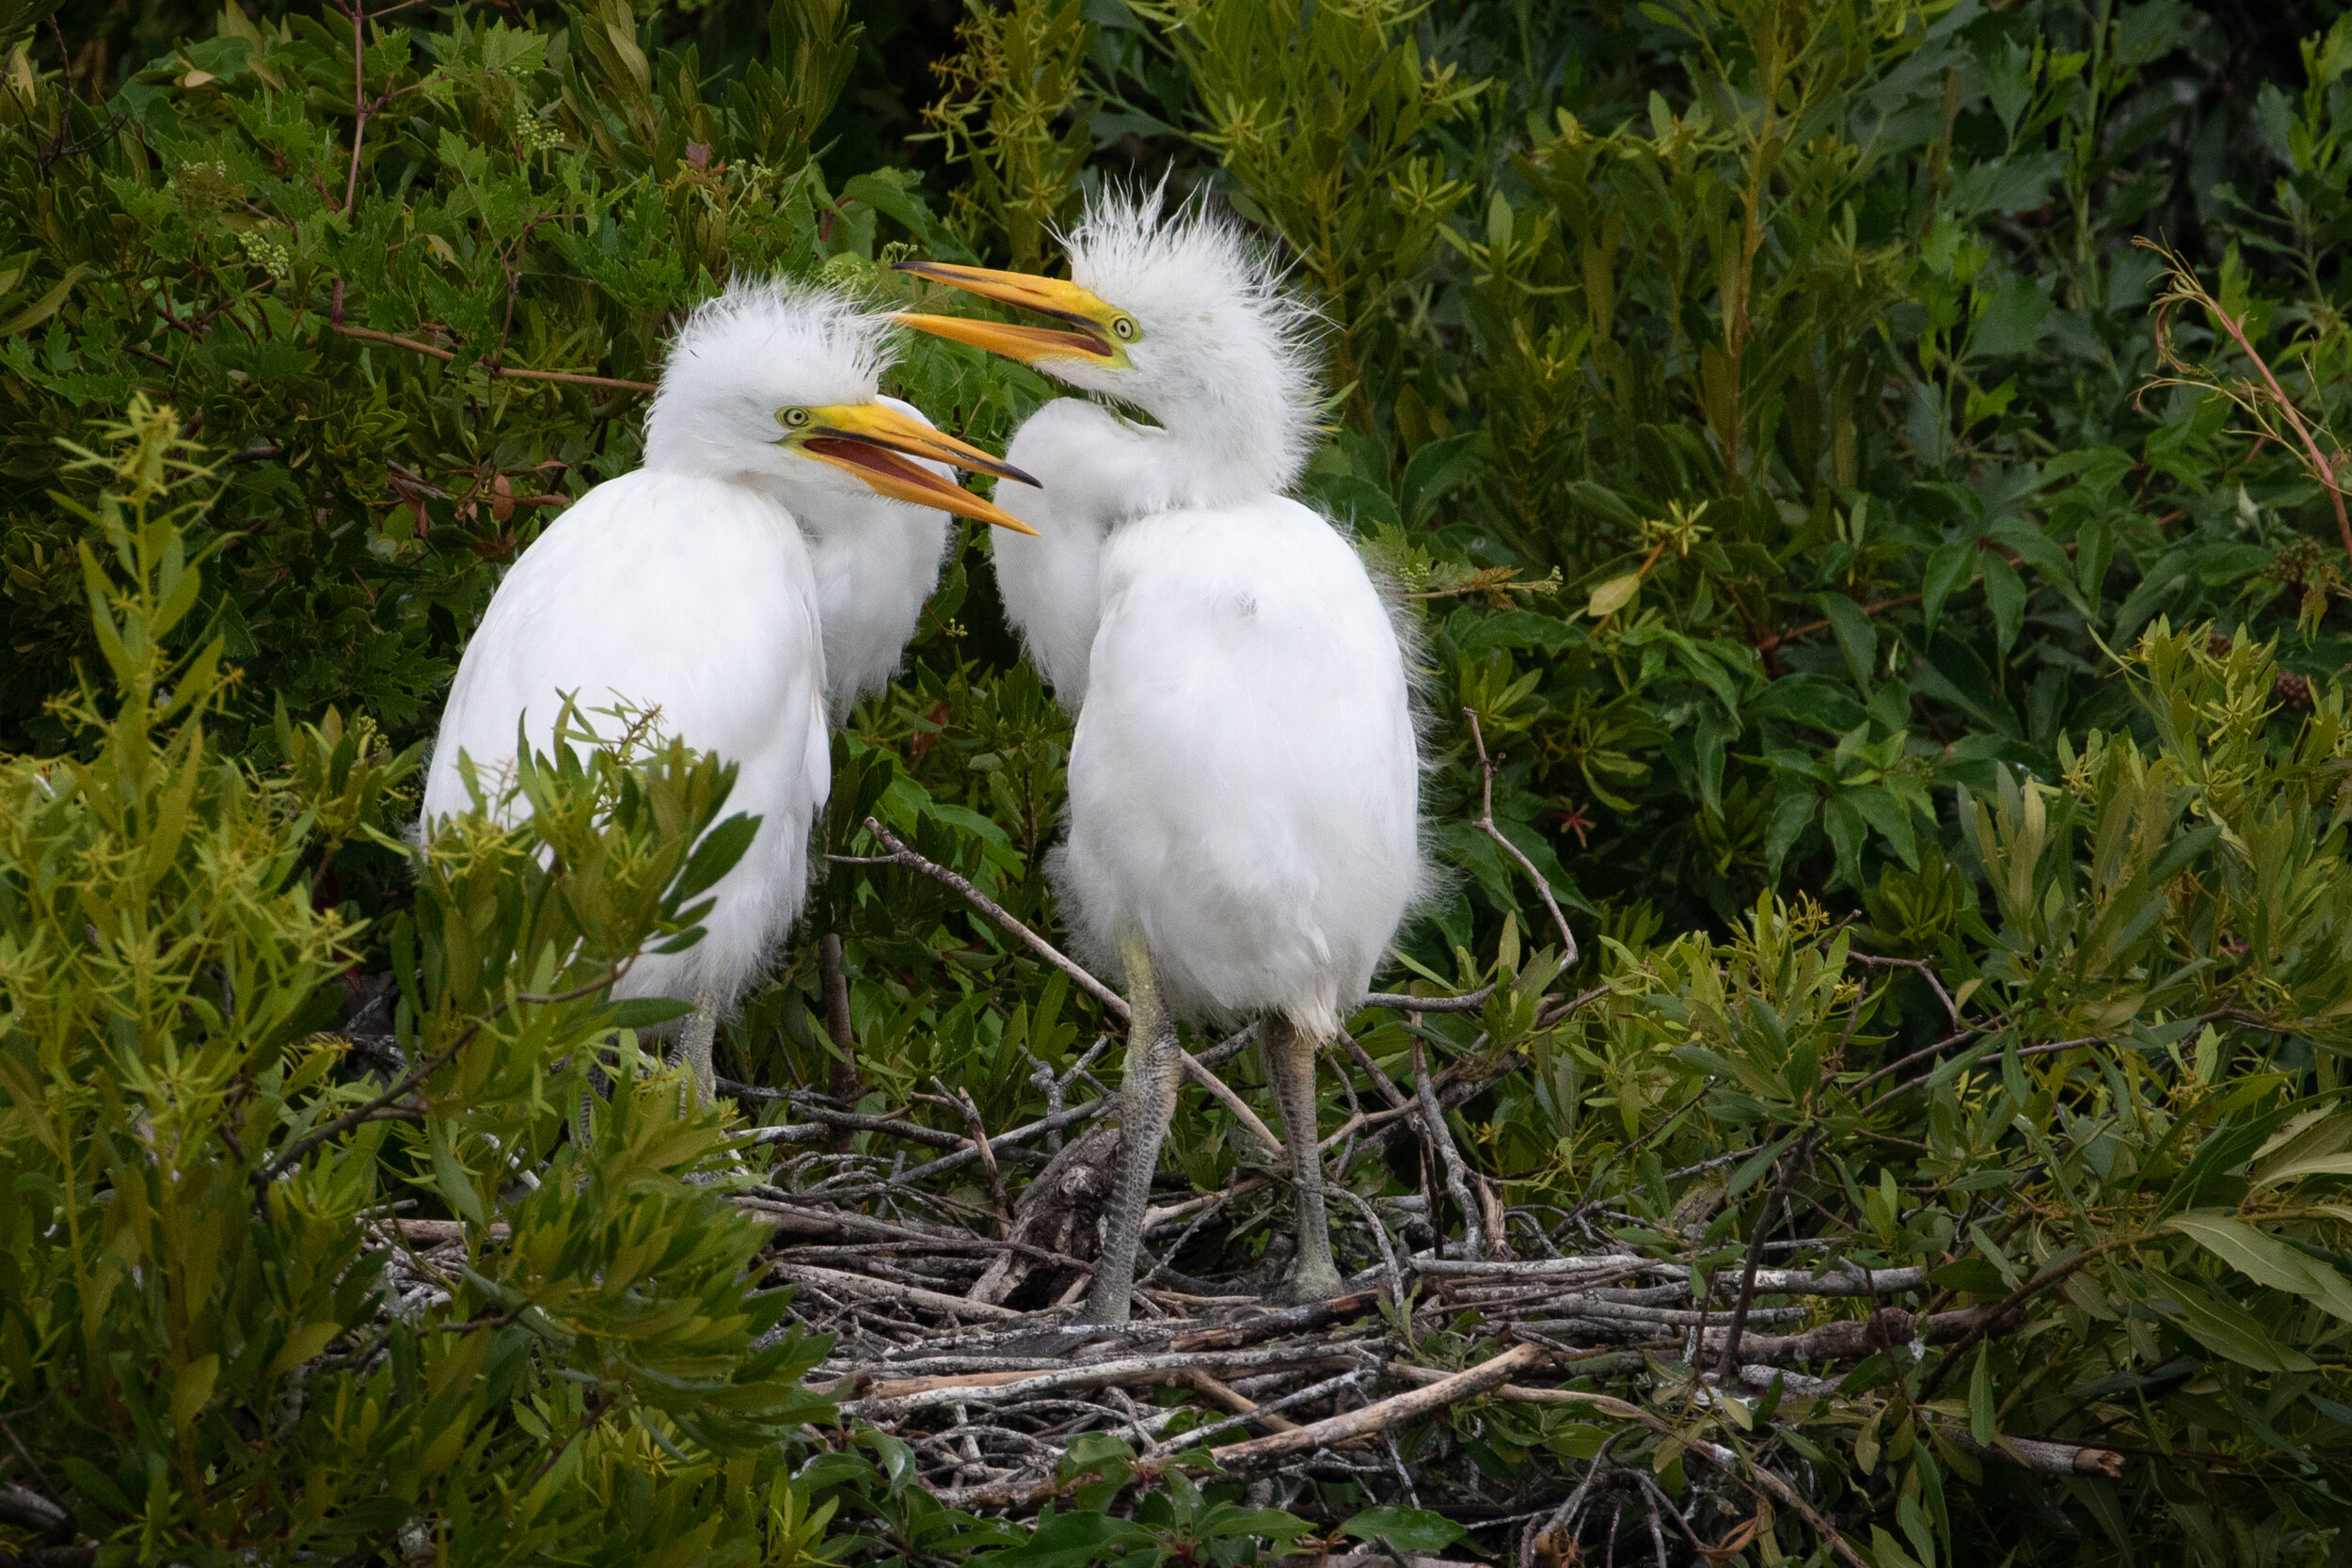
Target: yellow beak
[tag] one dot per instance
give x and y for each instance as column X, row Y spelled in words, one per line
column 1048, row 296
column 866, row 439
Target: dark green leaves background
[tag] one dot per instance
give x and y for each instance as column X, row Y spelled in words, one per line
column 1929, row 714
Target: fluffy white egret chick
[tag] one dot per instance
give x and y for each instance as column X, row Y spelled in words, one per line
column 877, row 560
column 687, row 587
column 1244, row 781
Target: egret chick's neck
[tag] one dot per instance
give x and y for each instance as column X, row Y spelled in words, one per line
column 1211, row 451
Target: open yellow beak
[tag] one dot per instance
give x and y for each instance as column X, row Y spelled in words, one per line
column 1048, row 296
column 866, row 438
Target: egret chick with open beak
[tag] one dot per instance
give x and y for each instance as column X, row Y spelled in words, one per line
column 692, row 586
column 1245, row 779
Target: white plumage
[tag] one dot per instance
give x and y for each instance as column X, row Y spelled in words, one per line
column 688, row 587
column 1243, row 786
column 876, row 561
column 613, row 603
column 1244, row 781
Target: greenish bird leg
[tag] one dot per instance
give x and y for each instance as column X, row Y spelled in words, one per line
column 1290, row 1069
column 694, row 1043
column 1147, row 1103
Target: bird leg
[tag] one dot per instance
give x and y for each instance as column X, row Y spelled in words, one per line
column 695, row 1042
column 1290, row 1069
column 1147, row 1103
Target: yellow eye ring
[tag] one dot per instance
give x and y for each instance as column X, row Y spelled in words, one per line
column 793, row 418
column 1123, row 328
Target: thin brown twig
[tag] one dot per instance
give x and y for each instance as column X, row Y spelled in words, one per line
column 372, row 1109
column 902, row 855
column 987, row 1158
column 1790, row 1160
column 2184, row 289
column 569, row 379
column 1486, row 824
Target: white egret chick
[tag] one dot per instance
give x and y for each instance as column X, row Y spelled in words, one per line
column 687, row 587
column 1244, row 779
column 877, row 560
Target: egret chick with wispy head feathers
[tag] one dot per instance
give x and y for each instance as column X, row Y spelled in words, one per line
column 1245, row 779
column 695, row 587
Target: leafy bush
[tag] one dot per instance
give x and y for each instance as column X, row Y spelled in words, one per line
column 1922, row 691
column 216, row 1338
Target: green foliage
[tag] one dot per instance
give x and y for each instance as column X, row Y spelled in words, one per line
column 203, row 1338
column 410, row 315
column 1924, row 699
column 1009, row 113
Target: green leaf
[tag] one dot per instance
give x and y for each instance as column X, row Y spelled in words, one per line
column 302, row 1345
column 193, row 1389
column 2005, row 593
column 2266, row 1260
column 1949, row 566
column 1983, row 1422
column 645, row 1012
column 1857, row 637
column 1434, row 471
column 1404, row 1529
column 450, row 1176
column 47, row 305
column 715, row 856
column 2296, row 1170
column 1846, row 832
column 1791, row 813
column 1614, row 595
column 2225, row 1329
column 2008, row 318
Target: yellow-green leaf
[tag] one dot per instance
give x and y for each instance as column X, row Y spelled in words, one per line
column 1614, row 595
column 193, row 1389
column 305, row 1343
column 48, row 304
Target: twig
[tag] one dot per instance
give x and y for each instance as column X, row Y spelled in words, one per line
column 901, row 855
column 1254, row 1414
column 987, row 1158
column 1226, row 1395
column 2186, row 289
column 1174, row 1367
column 372, row 1109
column 1714, row 1454
column 1441, row 1144
column 1379, row 1239
column 1790, row 1160
column 569, row 379
column 1486, row 824
column 1381, row 1415
column 834, row 979
column 1769, row 643
column 1921, row 966
column 840, row 1282
column 1363, row 1060
column 1003, row 1141
column 1397, row 1001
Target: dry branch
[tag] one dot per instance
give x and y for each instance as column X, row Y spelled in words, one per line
column 1122, row 1371
column 1383, row 1415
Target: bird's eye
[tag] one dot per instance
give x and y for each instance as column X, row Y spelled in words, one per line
column 1123, row 328
column 793, row 418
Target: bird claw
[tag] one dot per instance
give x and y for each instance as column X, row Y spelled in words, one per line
column 1302, row 1288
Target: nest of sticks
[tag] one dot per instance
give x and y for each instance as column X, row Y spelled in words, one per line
column 956, row 1324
